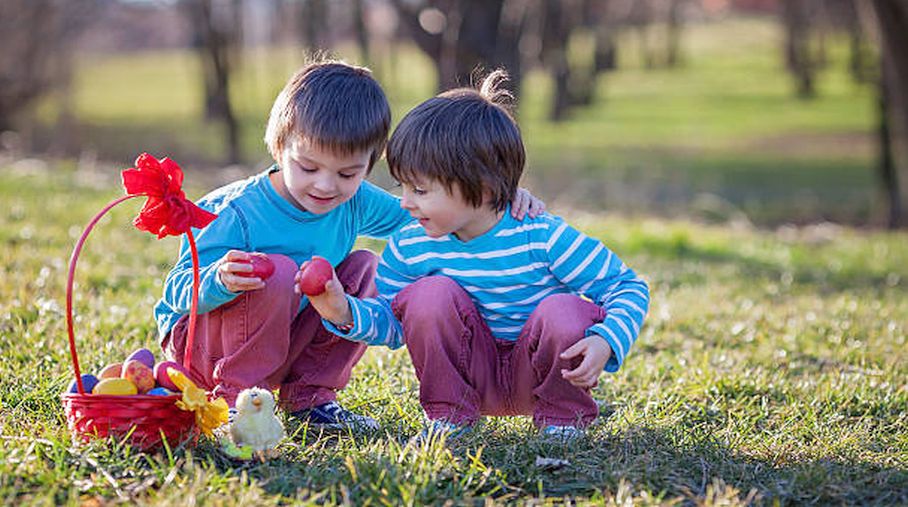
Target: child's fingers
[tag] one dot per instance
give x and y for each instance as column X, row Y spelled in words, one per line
column 237, row 267
column 236, row 283
column 572, row 375
column 584, row 379
column 573, row 351
column 520, row 204
column 537, row 208
column 585, row 368
column 237, row 255
column 585, row 383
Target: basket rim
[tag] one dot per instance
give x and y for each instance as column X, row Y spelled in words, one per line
column 117, row 397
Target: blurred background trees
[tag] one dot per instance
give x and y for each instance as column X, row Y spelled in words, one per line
column 572, row 46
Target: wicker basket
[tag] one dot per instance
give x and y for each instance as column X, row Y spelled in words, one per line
column 145, row 420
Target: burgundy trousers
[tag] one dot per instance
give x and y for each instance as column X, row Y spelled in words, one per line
column 465, row 372
column 259, row 339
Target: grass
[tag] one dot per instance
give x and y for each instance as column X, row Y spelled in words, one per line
column 772, row 370
column 725, row 124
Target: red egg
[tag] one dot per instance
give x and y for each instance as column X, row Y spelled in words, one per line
column 315, row 274
column 262, row 267
column 160, row 374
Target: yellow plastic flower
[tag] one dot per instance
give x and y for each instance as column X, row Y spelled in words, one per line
column 208, row 414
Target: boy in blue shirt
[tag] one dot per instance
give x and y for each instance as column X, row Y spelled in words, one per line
column 328, row 127
column 500, row 317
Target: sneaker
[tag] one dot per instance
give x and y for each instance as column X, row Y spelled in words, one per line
column 562, row 433
column 440, row 429
column 332, row 416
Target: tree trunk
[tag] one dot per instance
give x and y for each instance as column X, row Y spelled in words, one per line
column 362, row 32
column 798, row 57
column 892, row 17
column 476, row 36
column 36, row 37
column 555, row 35
column 673, row 35
column 887, row 171
column 313, row 20
column 216, row 50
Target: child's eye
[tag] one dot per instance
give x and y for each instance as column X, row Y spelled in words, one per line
column 347, row 176
column 308, row 169
column 419, row 191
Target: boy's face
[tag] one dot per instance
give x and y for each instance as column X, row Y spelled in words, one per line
column 316, row 180
column 441, row 212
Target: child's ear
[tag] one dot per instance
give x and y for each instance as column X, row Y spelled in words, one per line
column 487, row 200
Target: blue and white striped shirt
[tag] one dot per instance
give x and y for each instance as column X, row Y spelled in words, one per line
column 507, row 272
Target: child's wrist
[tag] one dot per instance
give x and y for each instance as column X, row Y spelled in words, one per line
column 344, row 327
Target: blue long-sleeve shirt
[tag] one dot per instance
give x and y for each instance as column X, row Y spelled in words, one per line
column 507, row 272
column 253, row 217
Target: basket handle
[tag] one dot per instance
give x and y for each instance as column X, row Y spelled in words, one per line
column 167, row 212
column 193, row 312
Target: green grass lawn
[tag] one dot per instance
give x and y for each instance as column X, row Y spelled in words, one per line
column 725, row 126
column 772, row 369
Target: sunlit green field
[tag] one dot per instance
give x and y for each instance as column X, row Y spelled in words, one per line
column 772, row 369
column 721, row 137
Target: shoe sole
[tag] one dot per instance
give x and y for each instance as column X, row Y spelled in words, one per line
column 342, row 427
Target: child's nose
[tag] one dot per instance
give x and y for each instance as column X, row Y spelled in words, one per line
column 325, row 184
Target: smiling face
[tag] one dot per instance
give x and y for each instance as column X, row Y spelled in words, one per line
column 316, row 180
column 442, row 212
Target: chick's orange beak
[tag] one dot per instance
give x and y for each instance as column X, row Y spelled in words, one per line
column 257, row 402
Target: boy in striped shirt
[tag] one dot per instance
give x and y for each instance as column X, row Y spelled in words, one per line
column 500, row 317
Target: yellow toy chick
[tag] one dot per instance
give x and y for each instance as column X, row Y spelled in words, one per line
column 255, row 425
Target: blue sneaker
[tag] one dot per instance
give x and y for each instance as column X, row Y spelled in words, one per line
column 562, row 433
column 440, row 429
column 332, row 416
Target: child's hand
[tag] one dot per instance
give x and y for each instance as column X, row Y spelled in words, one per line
column 525, row 203
column 234, row 262
column 595, row 352
column 332, row 304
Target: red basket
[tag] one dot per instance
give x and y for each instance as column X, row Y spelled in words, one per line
column 145, row 420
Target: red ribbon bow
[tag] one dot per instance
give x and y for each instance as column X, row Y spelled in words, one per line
column 167, row 212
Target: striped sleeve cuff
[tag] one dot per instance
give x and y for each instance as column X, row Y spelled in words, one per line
column 360, row 327
column 619, row 347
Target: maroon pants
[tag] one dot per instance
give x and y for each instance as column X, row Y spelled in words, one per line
column 464, row 372
column 259, row 339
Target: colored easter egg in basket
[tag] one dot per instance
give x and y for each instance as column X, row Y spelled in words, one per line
column 89, row 382
column 140, row 375
column 160, row 374
column 160, row 391
column 114, row 370
column 315, row 274
column 262, row 266
column 115, row 386
column 144, row 356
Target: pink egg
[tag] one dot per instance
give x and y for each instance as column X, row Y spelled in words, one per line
column 160, row 374
column 144, row 356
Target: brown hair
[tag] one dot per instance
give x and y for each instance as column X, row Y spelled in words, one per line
column 336, row 106
column 465, row 137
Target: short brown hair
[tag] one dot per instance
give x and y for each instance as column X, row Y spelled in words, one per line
column 336, row 106
column 465, row 137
